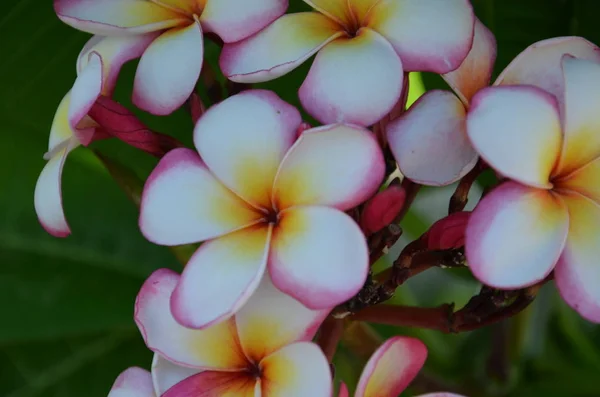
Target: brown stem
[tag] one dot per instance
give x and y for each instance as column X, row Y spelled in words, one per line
column 361, row 339
column 437, row 318
column 329, row 335
column 459, row 199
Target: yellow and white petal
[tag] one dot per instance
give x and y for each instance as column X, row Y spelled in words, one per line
column 582, row 119
column 166, row 374
column 86, row 89
column 61, row 130
column 517, row 131
column 169, row 70
column 347, row 71
column 515, row 236
column 318, row 255
column 184, row 203
column 392, row 367
column 279, row 48
column 216, row 347
column 133, row 382
column 272, row 319
column 476, row 70
column 336, row 10
column 243, row 140
column 429, row 35
column 221, row 276
column 234, row 20
column 585, row 181
column 361, row 10
column 297, row 370
column 117, row 17
column 216, row 384
column 337, row 165
column 577, row 274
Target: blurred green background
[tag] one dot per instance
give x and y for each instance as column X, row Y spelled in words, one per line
column 66, row 306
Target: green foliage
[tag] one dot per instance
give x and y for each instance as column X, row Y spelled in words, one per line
column 67, row 304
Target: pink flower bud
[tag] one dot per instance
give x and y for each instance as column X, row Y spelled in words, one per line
column 381, row 210
column 448, row 232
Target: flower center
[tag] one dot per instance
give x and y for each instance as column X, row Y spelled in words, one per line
column 254, row 371
column 272, row 217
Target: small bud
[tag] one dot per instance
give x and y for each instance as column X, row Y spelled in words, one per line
column 381, row 210
column 448, row 232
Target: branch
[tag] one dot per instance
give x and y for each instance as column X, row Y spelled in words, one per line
column 459, row 199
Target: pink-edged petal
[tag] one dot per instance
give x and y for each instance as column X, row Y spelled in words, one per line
column 336, row 10
column 243, row 140
column 216, row 347
column 279, row 48
column 169, row 70
column 392, row 367
column 515, row 236
column 476, row 70
column 117, row 17
column 577, row 273
column 166, row 374
column 60, row 131
column 297, row 370
column 234, row 20
column 343, row 390
column 540, row 64
column 332, row 93
column 318, row 256
column 133, row 382
column 114, row 51
column 184, row 203
column 338, row 165
column 517, row 131
column 216, row 384
column 429, row 35
column 585, row 181
column 85, row 91
column 221, row 276
column 582, row 120
column 272, row 319
column 430, row 141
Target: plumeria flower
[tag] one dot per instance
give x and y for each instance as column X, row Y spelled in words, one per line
column 547, row 215
column 97, row 68
column 264, row 350
column 391, row 369
column 262, row 197
column 170, row 67
column 430, row 141
column 363, row 48
column 133, row 382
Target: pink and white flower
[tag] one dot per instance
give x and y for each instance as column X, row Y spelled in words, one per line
column 133, row 382
column 363, row 47
column 547, row 215
column 264, row 349
column 169, row 68
column 262, row 197
column 430, row 141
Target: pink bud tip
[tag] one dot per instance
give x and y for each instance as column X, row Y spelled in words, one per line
column 448, row 232
column 381, row 210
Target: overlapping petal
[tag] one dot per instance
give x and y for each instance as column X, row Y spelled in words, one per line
column 133, row 382
column 272, row 319
column 215, row 384
column 517, row 131
column 347, row 71
column 361, row 10
column 337, row 165
column 85, row 91
column 166, row 374
column 392, row 367
column 279, row 48
column 585, row 181
column 234, row 20
column 296, row 370
column 169, row 69
column 243, row 140
column 582, row 120
column 476, row 70
column 337, row 10
column 217, row 347
column 431, row 35
column 225, row 272
column 515, row 236
column 318, row 256
column 184, row 203
column 117, row 17
column 578, row 272
column 430, row 141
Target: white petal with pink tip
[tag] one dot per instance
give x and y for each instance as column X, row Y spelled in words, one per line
column 337, row 83
column 430, row 141
column 85, row 91
column 515, row 236
column 318, row 255
column 166, row 374
column 133, row 382
column 517, row 131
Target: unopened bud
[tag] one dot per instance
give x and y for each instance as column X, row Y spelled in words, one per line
column 448, row 232
column 381, row 210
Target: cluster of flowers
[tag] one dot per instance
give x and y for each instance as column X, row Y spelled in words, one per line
column 270, row 196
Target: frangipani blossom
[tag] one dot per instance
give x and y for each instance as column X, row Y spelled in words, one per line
column 262, row 197
column 363, row 48
column 170, row 67
column 133, row 382
column 548, row 215
column 97, row 67
column 391, row 369
column 430, row 141
column 264, row 350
